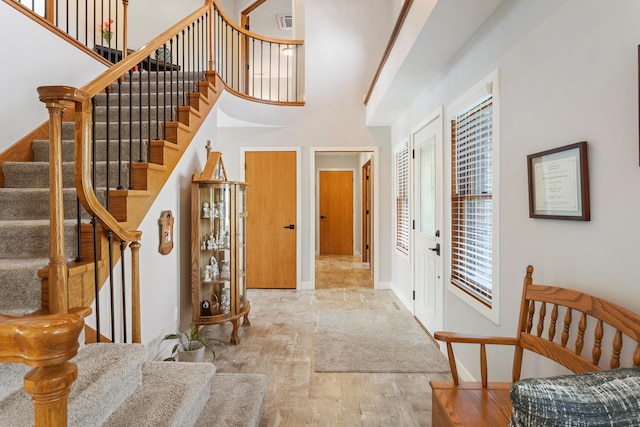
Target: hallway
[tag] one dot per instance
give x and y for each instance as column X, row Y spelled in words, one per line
column 280, row 343
column 342, row 271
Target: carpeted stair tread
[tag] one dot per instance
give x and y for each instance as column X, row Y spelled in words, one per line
column 237, row 400
column 33, row 203
column 41, row 149
column 12, row 375
column 107, row 375
column 171, row 394
column 20, row 286
column 30, row 238
column 36, row 174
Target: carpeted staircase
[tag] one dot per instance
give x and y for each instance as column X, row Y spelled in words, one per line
column 117, row 385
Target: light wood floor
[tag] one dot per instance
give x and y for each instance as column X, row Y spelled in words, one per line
column 280, row 344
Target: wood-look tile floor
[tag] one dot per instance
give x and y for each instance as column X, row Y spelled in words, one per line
column 280, row 344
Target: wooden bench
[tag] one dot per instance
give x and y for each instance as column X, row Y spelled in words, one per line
column 550, row 318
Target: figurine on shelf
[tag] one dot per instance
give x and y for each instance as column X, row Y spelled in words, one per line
column 206, row 210
column 216, row 212
column 203, row 246
column 207, row 273
column 211, row 242
column 225, row 301
column 213, row 265
column 225, row 274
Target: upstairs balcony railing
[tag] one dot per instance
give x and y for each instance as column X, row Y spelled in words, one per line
column 256, row 67
column 251, row 66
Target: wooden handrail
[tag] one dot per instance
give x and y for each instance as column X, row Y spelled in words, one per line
column 392, row 41
column 82, row 103
column 133, row 59
column 250, row 33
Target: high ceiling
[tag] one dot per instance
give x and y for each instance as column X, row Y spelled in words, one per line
column 439, row 35
column 263, row 20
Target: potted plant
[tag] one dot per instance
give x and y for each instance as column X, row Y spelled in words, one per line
column 191, row 345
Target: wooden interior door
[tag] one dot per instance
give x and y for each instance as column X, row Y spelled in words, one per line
column 336, row 213
column 271, row 220
column 366, row 212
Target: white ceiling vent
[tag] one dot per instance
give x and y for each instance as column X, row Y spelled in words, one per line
column 285, row 22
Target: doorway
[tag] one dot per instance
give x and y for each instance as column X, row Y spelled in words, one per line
column 336, row 212
column 348, row 268
column 428, row 282
column 272, row 221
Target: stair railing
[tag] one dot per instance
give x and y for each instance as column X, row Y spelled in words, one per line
column 169, row 71
column 100, row 25
column 256, row 67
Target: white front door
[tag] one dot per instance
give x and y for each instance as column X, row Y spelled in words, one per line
column 428, row 208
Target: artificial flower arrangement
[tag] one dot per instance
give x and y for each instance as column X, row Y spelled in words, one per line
column 106, row 30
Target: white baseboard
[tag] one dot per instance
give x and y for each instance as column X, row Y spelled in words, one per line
column 384, row 285
column 305, row 285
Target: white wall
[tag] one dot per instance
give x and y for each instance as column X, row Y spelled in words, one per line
column 29, row 52
column 334, row 121
column 569, row 72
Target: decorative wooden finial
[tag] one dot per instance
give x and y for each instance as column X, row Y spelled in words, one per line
column 208, row 146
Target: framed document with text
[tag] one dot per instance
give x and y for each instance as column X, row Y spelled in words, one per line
column 559, row 183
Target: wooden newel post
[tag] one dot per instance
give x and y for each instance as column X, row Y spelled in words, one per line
column 49, row 387
column 58, row 272
column 136, row 335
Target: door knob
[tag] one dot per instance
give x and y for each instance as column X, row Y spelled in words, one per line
column 436, row 249
column 290, row 226
column 323, row 217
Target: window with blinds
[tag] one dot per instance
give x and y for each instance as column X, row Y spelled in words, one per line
column 402, row 201
column 472, row 200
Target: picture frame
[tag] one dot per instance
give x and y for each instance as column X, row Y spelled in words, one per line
column 559, row 183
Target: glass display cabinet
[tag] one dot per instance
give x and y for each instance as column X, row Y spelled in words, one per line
column 218, row 247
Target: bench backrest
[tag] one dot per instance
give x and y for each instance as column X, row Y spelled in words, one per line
column 558, row 323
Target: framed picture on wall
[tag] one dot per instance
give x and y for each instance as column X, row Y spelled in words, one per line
column 559, row 183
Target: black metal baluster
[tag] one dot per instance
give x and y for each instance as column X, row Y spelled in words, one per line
column 157, row 119
column 130, row 178
column 270, row 59
column 107, row 147
column 171, row 78
column 140, row 109
column 184, row 71
column 164, row 93
column 120, row 187
column 94, row 223
column 79, row 257
column 148, row 142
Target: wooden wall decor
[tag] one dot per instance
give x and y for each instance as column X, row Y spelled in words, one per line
column 165, row 224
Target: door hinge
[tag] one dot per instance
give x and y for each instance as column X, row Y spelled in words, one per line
column 414, row 295
column 413, row 154
column 413, row 224
column 246, row 67
column 367, row 247
column 367, row 211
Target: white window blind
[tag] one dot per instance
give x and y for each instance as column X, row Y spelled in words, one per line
column 402, row 201
column 472, row 200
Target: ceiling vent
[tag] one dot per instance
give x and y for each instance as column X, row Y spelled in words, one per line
column 285, row 22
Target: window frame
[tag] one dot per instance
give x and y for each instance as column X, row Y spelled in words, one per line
column 401, row 249
column 488, row 85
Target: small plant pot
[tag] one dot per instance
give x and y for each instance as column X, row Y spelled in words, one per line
column 196, row 355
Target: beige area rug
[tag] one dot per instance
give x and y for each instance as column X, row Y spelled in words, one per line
column 374, row 341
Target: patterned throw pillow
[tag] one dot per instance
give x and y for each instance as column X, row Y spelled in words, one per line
column 603, row 398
